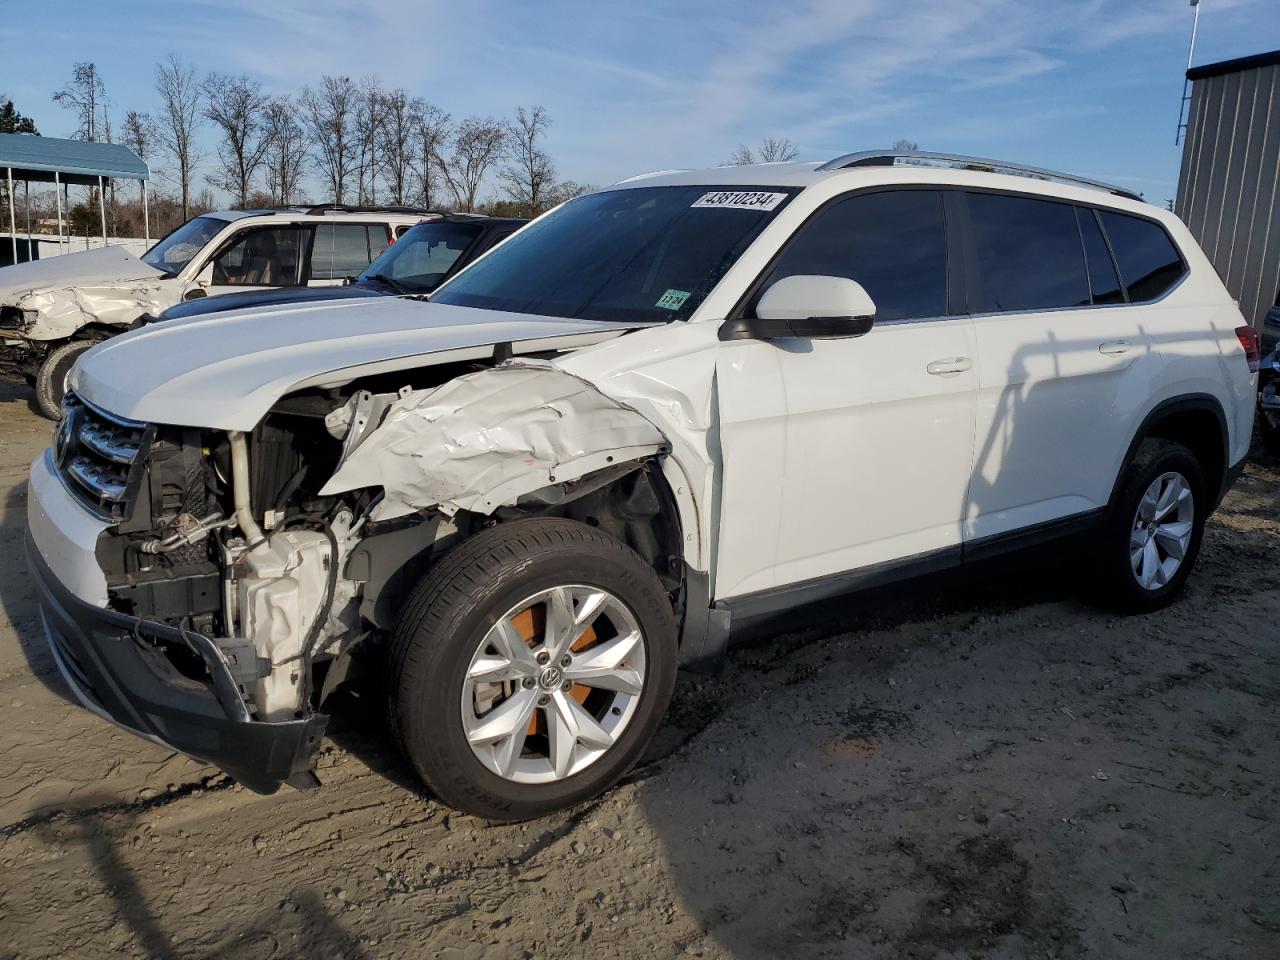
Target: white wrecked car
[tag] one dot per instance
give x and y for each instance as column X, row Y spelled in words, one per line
column 52, row 311
column 663, row 412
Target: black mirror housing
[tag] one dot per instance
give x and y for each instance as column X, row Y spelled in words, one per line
column 808, row 328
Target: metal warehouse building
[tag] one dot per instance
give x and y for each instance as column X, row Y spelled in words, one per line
column 1229, row 188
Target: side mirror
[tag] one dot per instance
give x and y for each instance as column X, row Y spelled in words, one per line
column 205, row 277
column 807, row 307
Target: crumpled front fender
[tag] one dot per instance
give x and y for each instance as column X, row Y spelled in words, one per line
column 483, row 440
column 59, row 313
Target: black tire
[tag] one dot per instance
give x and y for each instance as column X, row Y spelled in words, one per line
column 446, row 619
column 51, row 379
column 1269, row 427
column 1116, row 584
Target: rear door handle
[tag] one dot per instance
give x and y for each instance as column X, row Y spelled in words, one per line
column 1113, row 348
column 940, row 368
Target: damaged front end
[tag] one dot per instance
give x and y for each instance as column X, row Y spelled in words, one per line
column 245, row 572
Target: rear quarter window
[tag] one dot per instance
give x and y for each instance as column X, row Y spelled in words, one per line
column 1150, row 264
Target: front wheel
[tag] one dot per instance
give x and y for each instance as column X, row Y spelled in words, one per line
column 51, row 379
column 1152, row 533
column 531, row 668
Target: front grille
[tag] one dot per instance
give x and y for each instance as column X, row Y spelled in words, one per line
column 101, row 457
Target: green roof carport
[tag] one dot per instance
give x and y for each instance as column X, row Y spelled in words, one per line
column 31, row 158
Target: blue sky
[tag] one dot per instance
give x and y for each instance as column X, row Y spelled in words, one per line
column 1090, row 86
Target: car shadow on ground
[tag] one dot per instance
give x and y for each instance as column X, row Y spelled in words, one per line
column 298, row 925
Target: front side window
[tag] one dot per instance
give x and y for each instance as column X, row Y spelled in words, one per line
column 419, row 261
column 266, row 257
column 341, row 250
column 176, row 250
column 632, row 255
column 1149, row 262
column 893, row 243
column 1029, row 255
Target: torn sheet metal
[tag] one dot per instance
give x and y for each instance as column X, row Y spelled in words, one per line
column 483, row 440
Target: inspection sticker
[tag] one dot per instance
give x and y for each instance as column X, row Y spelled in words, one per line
column 672, row 299
column 740, row 200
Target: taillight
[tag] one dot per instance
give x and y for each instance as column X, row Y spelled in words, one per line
column 1252, row 344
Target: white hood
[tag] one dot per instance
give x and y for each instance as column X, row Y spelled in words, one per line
column 224, row 371
column 88, row 268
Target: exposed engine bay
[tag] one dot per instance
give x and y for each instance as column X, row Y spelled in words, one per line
column 291, row 546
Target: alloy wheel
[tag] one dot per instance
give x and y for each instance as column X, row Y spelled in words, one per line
column 1161, row 532
column 553, row 684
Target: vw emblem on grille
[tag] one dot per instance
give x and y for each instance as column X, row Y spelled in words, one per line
column 550, row 677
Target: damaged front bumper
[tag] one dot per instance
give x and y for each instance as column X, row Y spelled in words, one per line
column 114, row 665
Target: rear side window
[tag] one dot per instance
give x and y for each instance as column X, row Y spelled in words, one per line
column 1149, row 262
column 341, row 250
column 1029, row 255
column 1103, row 282
column 893, row 243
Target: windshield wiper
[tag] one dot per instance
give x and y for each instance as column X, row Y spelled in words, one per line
column 386, row 281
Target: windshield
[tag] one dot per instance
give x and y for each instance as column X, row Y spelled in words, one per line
column 419, row 260
column 176, row 250
column 644, row 254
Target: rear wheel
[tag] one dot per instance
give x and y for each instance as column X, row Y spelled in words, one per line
column 531, row 668
column 51, row 378
column 1153, row 530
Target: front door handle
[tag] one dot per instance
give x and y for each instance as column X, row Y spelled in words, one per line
column 1113, row 348
column 940, row 368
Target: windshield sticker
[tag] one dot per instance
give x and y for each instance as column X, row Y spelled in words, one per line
column 672, row 299
column 740, row 200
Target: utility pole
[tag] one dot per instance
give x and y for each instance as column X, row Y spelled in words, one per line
column 1183, row 119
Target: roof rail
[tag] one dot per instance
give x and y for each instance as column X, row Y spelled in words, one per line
column 887, row 158
column 350, row 208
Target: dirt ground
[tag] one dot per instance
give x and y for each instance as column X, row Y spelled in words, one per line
column 978, row 769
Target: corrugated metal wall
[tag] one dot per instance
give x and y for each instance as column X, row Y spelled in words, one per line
column 1229, row 188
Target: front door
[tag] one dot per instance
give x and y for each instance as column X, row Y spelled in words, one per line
column 258, row 258
column 841, row 455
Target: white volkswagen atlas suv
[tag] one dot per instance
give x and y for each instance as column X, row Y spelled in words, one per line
column 662, row 412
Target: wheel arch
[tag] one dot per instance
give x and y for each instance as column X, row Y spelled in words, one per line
column 1198, row 422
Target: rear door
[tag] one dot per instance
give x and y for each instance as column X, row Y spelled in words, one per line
column 1064, row 364
column 341, row 251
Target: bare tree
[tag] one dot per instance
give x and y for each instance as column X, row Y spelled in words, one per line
column 328, row 115
column 140, row 137
column 905, row 144
column 401, row 118
column 370, row 110
column 180, row 98
column 775, row 150
column 237, row 106
column 432, row 130
column 475, row 146
column 771, row 150
column 86, row 95
column 529, row 175
column 285, row 159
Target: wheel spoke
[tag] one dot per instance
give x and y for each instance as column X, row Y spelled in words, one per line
column 568, row 724
column 1150, row 563
column 565, row 623
column 512, row 646
column 1147, row 505
column 1175, row 492
column 489, row 669
column 603, row 666
column 1174, row 538
column 509, row 717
